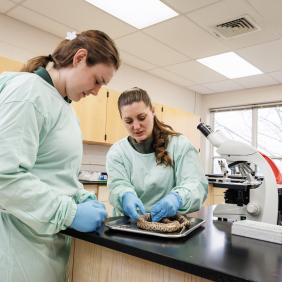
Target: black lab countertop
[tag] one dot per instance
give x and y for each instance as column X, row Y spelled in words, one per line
column 210, row 251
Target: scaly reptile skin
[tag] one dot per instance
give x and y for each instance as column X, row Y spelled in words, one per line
column 166, row 225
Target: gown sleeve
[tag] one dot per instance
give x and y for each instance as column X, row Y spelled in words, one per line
column 191, row 183
column 118, row 177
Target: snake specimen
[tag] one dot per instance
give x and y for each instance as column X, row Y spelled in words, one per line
column 166, row 225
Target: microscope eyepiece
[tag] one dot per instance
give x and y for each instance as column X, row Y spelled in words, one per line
column 205, row 129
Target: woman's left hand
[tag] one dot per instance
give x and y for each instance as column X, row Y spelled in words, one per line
column 166, row 207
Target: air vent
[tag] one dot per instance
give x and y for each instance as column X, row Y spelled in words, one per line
column 236, row 27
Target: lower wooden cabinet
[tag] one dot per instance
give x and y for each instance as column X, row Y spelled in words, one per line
column 215, row 196
column 91, row 262
column 102, row 194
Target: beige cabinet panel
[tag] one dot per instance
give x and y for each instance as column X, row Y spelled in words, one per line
column 92, row 188
column 218, row 195
column 103, row 196
column 192, row 132
column 92, row 262
column 158, row 111
column 9, row 65
column 183, row 122
column 209, row 199
column 91, row 112
column 103, row 193
column 115, row 129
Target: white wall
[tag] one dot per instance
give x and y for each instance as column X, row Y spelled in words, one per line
column 160, row 90
column 235, row 98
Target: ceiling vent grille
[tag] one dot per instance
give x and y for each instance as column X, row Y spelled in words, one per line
column 240, row 26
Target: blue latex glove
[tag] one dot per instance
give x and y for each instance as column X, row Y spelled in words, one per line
column 89, row 216
column 166, row 207
column 132, row 206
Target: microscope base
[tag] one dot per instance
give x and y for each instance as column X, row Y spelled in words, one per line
column 230, row 212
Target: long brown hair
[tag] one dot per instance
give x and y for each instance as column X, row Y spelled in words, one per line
column 161, row 131
column 100, row 47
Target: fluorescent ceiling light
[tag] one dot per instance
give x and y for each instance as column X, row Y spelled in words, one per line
column 230, row 65
column 138, row 13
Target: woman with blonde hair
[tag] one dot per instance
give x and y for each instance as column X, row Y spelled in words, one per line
column 40, row 156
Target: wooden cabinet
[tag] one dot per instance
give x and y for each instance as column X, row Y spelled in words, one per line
column 158, row 108
column 215, row 196
column 99, row 117
column 218, row 195
column 183, row 122
column 91, row 262
column 9, row 65
column 115, row 129
column 91, row 112
column 102, row 194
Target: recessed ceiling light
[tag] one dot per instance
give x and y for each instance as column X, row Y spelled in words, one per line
column 138, row 13
column 230, row 65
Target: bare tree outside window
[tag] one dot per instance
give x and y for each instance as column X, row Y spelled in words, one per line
column 269, row 135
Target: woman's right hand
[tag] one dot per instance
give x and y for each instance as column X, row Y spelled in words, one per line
column 132, row 206
column 89, row 216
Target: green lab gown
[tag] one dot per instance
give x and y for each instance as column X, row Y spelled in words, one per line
column 131, row 171
column 40, row 156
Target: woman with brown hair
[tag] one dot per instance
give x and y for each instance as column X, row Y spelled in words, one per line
column 40, row 156
column 154, row 169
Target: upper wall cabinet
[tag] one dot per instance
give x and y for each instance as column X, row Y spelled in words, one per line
column 91, row 112
column 183, row 122
column 115, row 129
column 99, row 117
column 158, row 109
column 9, row 65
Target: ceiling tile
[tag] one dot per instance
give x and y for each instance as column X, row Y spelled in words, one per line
column 267, row 57
column 223, row 86
column 26, row 37
column 193, row 41
column 227, row 10
column 271, row 12
column 195, row 72
column 188, row 5
column 6, row 5
column 79, row 14
column 276, row 75
column 149, row 49
column 172, row 77
column 42, row 22
column 256, row 81
column 134, row 61
column 201, row 89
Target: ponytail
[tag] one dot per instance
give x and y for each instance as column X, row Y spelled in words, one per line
column 36, row 62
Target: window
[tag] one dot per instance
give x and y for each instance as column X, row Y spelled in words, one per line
column 259, row 126
column 269, row 133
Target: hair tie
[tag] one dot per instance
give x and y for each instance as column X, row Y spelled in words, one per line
column 50, row 58
column 71, row 35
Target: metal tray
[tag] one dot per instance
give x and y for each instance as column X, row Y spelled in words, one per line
column 123, row 224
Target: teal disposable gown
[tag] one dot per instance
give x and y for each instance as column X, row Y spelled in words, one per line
column 131, row 171
column 40, row 156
